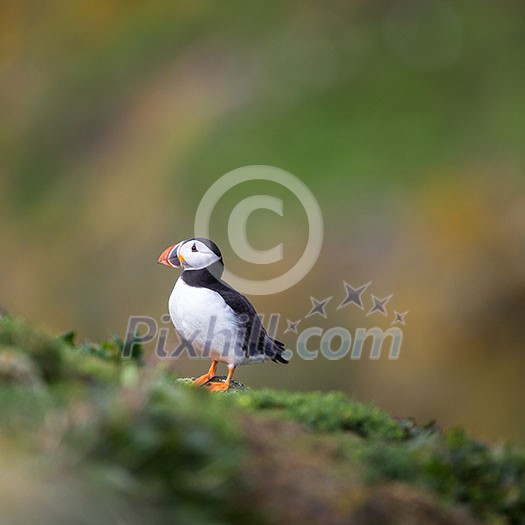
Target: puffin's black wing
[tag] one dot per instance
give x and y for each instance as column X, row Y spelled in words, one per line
column 256, row 339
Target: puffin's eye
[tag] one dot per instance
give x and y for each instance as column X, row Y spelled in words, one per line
column 194, row 248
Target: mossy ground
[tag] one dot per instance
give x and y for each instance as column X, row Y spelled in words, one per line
column 125, row 443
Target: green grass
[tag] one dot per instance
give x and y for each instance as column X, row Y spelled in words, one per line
column 188, row 455
column 326, row 412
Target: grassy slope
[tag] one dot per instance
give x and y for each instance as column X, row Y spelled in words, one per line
column 81, row 425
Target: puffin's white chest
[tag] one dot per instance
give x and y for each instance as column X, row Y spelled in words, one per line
column 203, row 318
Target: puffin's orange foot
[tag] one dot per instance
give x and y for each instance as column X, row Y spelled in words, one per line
column 218, row 386
column 202, row 380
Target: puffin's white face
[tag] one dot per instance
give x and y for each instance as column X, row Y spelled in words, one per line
column 195, row 255
column 192, row 254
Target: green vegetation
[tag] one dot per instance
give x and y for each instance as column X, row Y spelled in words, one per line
column 167, row 451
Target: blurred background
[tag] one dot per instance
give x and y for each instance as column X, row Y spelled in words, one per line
column 406, row 119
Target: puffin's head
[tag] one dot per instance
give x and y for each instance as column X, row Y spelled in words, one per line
column 194, row 254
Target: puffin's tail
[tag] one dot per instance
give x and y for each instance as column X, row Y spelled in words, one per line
column 276, row 351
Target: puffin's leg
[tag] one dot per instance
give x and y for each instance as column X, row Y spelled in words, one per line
column 206, row 377
column 219, row 386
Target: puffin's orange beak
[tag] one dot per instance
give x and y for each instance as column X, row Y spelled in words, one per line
column 169, row 257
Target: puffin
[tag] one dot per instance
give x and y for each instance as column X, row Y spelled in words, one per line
column 208, row 314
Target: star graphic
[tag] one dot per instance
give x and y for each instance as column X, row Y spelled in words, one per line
column 399, row 318
column 353, row 295
column 292, row 326
column 318, row 307
column 379, row 304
